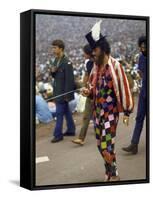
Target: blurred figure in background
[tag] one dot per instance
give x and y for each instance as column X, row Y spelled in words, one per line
column 88, row 105
column 43, row 113
column 141, row 110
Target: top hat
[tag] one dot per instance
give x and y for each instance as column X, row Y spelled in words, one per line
column 94, row 37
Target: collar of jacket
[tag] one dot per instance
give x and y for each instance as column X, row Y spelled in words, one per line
column 59, row 60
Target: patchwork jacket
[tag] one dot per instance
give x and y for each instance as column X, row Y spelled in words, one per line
column 124, row 97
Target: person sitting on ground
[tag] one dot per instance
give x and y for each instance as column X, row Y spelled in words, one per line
column 43, row 113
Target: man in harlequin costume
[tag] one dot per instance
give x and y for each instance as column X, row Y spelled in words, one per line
column 109, row 88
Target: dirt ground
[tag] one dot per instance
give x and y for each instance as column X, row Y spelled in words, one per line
column 70, row 163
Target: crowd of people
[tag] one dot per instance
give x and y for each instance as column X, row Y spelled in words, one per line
column 122, row 35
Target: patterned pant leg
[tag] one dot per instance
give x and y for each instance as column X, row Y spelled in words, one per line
column 106, row 145
column 97, row 126
column 98, row 131
column 98, row 136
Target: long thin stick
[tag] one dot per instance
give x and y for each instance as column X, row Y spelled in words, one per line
column 63, row 94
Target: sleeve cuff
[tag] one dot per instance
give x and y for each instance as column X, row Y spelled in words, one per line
column 127, row 113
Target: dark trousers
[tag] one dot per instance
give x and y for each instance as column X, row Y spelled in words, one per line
column 62, row 109
column 141, row 113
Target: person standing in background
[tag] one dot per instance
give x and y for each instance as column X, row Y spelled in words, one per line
column 141, row 110
column 62, row 72
column 88, row 105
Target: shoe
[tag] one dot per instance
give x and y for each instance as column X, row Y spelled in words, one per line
column 69, row 134
column 132, row 148
column 106, row 178
column 114, row 178
column 54, row 140
column 78, row 141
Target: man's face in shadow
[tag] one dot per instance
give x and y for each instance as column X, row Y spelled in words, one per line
column 98, row 55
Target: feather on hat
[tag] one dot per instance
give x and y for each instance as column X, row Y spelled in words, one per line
column 94, row 36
